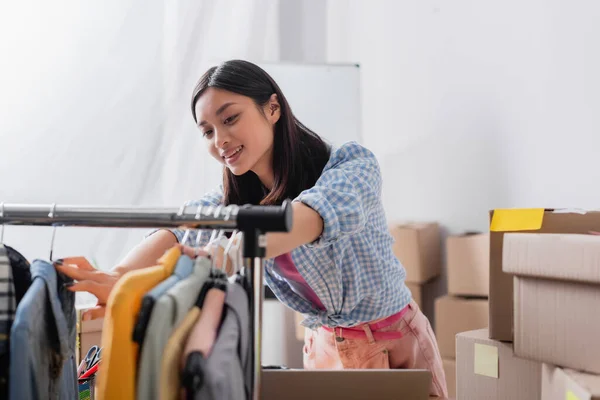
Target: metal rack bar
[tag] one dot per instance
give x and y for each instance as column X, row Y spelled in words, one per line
column 253, row 221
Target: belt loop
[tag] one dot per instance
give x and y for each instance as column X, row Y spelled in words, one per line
column 369, row 333
column 340, row 337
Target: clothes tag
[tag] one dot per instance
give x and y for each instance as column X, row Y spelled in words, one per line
column 572, row 396
column 486, row 360
column 523, row 219
column 84, row 391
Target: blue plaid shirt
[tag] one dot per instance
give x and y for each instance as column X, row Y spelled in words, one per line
column 351, row 266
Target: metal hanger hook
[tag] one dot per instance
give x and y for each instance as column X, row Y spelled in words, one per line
column 198, row 216
column 51, row 214
column 186, row 235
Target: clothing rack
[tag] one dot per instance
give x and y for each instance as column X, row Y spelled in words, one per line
column 253, row 221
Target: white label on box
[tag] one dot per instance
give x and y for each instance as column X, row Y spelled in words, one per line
column 486, row 360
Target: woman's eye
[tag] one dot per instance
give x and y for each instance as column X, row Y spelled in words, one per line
column 207, row 133
column 230, row 119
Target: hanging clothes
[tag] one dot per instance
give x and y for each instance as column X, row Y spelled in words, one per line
column 228, row 369
column 170, row 375
column 21, row 272
column 15, row 279
column 8, row 307
column 168, row 313
column 183, row 269
column 117, row 374
column 42, row 341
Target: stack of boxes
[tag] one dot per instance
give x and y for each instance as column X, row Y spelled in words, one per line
column 89, row 333
column 544, row 293
column 417, row 246
column 466, row 306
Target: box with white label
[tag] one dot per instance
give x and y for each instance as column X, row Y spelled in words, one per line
column 488, row 369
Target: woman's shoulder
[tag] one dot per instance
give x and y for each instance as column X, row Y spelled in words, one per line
column 350, row 153
column 213, row 197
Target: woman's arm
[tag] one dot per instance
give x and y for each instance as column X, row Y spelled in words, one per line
column 307, row 226
column 147, row 252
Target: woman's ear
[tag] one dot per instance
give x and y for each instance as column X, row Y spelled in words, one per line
column 273, row 109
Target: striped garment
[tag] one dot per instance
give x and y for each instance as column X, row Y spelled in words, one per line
column 8, row 302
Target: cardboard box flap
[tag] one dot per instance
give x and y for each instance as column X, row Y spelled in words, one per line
column 589, row 382
column 572, row 257
column 559, row 383
column 363, row 384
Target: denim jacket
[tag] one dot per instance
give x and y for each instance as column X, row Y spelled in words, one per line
column 42, row 341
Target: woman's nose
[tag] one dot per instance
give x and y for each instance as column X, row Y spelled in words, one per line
column 221, row 138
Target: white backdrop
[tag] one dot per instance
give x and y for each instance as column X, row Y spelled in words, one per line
column 473, row 105
column 95, row 106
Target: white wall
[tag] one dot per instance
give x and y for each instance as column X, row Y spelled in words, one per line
column 471, row 105
column 94, row 106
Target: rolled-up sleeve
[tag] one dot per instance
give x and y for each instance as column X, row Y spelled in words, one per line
column 347, row 191
column 212, row 198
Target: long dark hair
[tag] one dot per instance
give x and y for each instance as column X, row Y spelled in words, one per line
column 299, row 154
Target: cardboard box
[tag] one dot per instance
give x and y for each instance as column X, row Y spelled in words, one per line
column 468, row 264
column 561, row 384
column 346, row 384
column 569, row 257
column 298, row 318
column 556, row 286
column 450, row 372
column 532, row 221
column 454, row 315
column 89, row 333
column 425, row 295
column 555, row 323
column 417, row 292
column 488, row 369
column 417, row 246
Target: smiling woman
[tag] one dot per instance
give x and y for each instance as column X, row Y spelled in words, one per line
column 239, row 107
column 336, row 265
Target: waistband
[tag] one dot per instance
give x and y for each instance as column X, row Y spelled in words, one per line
column 360, row 331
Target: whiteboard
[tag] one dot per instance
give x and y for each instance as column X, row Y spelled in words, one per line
column 324, row 97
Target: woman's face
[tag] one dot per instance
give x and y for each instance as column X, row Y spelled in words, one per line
column 238, row 134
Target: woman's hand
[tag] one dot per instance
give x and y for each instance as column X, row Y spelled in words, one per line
column 216, row 251
column 89, row 279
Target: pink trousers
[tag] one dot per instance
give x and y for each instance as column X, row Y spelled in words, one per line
column 416, row 349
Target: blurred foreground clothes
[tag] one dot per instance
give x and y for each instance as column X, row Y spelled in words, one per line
column 42, row 341
column 228, row 369
column 15, row 279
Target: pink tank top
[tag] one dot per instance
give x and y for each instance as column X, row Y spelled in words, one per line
column 286, row 268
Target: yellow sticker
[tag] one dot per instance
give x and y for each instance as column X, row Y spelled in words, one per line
column 571, row 396
column 522, row 219
column 486, row 360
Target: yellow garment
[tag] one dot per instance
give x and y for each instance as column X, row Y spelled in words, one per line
column 117, row 373
column 170, row 384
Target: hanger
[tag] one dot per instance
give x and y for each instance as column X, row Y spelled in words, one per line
column 51, row 215
column 198, row 216
column 180, row 214
column 226, row 253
